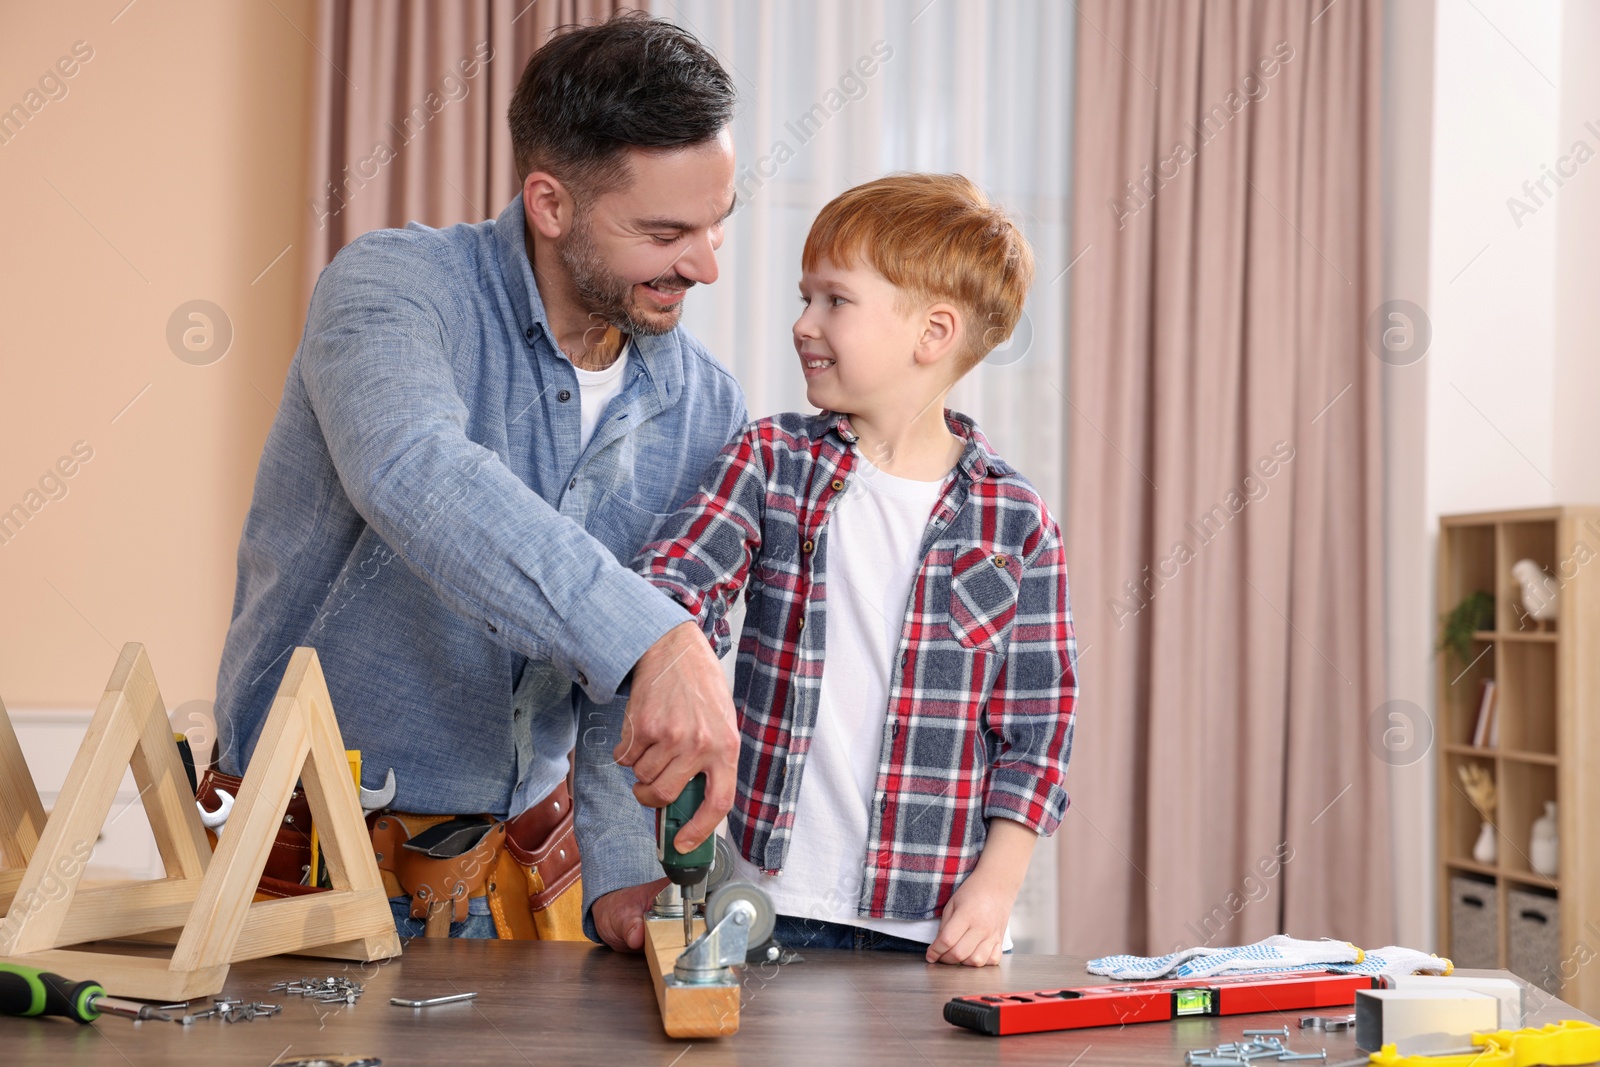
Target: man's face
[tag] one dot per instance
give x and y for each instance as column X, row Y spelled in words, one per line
column 634, row 251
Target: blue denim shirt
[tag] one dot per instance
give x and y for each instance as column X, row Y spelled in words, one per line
column 424, row 518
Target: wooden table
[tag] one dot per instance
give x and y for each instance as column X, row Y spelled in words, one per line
column 566, row 1003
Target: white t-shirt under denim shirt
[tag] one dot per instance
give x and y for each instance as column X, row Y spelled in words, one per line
column 595, row 390
column 874, row 542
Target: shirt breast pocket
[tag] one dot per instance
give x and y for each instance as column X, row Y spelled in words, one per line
column 983, row 597
column 624, row 527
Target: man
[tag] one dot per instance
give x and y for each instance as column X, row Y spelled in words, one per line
column 480, row 426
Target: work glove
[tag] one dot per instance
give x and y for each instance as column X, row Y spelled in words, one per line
column 1276, row 953
column 1396, row 960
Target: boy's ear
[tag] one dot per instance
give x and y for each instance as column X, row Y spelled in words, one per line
column 941, row 330
column 549, row 207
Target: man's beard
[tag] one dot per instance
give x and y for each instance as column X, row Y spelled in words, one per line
column 609, row 297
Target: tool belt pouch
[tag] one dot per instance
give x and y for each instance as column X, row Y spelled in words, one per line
column 543, row 841
column 290, row 856
column 432, row 869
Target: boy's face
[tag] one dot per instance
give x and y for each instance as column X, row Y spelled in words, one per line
column 854, row 341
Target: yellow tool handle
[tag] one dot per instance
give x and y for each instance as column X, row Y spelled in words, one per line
column 1564, row 1044
column 353, row 755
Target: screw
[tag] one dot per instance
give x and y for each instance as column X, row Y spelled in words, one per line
column 1284, row 1033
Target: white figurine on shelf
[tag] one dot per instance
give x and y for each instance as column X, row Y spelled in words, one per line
column 1538, row 591
column 1544, row 850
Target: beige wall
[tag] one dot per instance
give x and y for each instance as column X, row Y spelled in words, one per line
column 171, row 170
column 1500, row 412
column 1408, row 162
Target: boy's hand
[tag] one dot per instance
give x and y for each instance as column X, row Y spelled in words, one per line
column 680, row 721
column 972, row 931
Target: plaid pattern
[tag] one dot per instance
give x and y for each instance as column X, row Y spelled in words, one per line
column 981, row 701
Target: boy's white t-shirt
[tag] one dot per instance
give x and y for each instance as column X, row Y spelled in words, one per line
column 873, row 555
column 595, row 390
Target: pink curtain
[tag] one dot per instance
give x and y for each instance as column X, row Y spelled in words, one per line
column 1225, row 478
column 409, row 113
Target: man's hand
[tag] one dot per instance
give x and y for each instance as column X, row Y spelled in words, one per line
column 619, row 915
column 679, row 722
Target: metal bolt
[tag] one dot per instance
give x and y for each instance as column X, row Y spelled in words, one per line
column 1283, row 1033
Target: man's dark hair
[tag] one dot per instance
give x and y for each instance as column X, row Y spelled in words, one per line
column 592, row 92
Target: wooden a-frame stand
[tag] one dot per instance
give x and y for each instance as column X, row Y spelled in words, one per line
column 208, row 896
column 21, row 813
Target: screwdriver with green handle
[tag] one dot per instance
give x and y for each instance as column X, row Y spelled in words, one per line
column 27, row 991
column 685, row 869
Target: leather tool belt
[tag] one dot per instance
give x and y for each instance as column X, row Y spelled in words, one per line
column 442, row 861
column 524, row 865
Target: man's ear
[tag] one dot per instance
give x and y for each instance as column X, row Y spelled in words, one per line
column 941, row 331
column 548, row 205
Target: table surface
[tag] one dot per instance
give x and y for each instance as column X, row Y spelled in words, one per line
column 558, row 1003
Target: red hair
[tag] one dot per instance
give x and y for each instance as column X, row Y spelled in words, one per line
column 937, row 237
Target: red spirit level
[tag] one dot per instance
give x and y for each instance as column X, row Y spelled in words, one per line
column 1149, row 1002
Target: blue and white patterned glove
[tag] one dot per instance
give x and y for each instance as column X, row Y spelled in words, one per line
column 1279, row 952
column 1274, row 954
column 1396, row 960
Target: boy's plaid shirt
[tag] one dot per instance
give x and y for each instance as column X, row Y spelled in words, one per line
column 981, row 699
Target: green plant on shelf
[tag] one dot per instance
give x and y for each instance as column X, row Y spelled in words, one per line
column 1474, row 613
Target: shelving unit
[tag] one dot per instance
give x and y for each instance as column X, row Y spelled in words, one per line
column 1547, row 684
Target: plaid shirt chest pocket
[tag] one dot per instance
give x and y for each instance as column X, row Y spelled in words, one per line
column 983, row 597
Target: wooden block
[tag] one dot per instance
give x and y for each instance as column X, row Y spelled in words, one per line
column 687, row 1011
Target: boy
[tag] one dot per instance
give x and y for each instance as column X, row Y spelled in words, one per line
column 907, row 669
